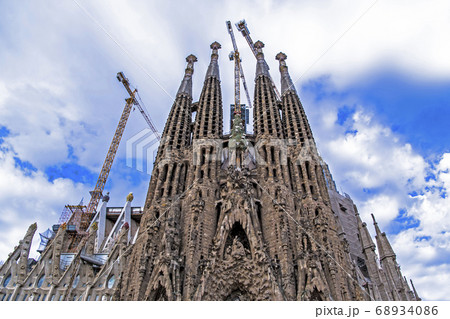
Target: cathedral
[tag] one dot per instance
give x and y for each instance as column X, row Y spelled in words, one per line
column 235, row 216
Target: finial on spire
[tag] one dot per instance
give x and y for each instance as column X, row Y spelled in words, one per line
column 258, row 46
column 261, row 66
column 191, row 59
column 215, row 45
column 213, row 68
column 281, row 57
column 374, row 220
column 286, row 81
column 186, row 84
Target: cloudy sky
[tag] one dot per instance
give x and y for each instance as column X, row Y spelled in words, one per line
column 374, row 78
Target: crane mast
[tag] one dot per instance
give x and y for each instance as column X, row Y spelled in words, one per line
column 238, row 72
column 97, row 193
column 237, row 84
column 88, row 214
column 242, row 27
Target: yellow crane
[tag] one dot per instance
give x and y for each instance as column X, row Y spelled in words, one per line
column 97, row 193
column 85, row 216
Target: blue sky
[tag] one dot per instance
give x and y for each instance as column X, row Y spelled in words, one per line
column 374, row 78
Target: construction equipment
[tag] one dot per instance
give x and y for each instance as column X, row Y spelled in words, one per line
column 238, row 71
column 242, row 27
column 96, row 194
column 78, row 224
column 121, row 77
column 80, row 218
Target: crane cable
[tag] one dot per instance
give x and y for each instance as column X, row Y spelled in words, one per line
column 144, row 112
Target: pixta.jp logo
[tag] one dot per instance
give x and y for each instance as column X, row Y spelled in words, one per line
column 141, row 149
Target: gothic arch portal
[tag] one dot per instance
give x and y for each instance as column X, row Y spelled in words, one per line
column 237, row 237
column 159, row 294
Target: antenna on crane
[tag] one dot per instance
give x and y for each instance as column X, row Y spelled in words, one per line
column 242, row 27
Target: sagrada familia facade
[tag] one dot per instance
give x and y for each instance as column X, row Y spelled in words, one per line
column 227, row 217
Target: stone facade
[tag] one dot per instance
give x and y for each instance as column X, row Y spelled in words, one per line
column 227, row 217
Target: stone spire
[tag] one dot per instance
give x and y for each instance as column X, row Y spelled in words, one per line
column 213, row 68
column 295, row 122
column 384, row 247
column 266, row 115
column 175, row 138
column 371, row 257
column 261, row 65
column 286, row 81
column 366, row 240
column 415, row 292
column 177, row 129
column 389, row 264
column 208, row 121
column 186, row 83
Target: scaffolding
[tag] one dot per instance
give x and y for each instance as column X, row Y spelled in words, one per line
column 67, row 213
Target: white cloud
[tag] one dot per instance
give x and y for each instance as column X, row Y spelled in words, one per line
column 379, row 170
column 75, row 62
column 27, row 197
column 369, row 155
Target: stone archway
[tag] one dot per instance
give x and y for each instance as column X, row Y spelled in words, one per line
column 159, row 294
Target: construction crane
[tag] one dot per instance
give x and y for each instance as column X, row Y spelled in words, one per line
column 242, row 27
column 83, row 217
column 97, row 193
column 238, row 72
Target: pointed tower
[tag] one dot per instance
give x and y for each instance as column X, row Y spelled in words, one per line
column 169, row 169
column 416, row 295
column 16, row 265
column 376, row 286
column 389, row 264
column 307, row 189
column 304, row 161
column 148, row 275
column 209, row 118
column 266, row 115
column 294, row 117
column 200, row 221
column 275, row 203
